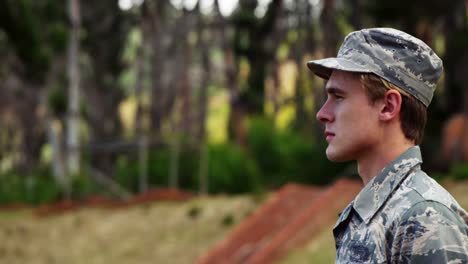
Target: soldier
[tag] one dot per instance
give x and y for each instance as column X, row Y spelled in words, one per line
column 379, row 87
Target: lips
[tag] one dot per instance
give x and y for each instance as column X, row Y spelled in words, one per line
column 329, row 135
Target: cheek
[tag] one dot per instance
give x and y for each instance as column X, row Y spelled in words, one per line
column 358, row 120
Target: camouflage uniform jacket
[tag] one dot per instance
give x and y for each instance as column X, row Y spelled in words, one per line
column 402, row 216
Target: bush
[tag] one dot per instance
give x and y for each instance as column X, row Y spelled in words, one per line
column 194, row 212
column 231, row 170
column 127, row 173
column 459, row 172
column 40, row 187
column 228, row 220
column 159, row 162
column 82, row 186
column 34, row 189
column 284, row 156
column 45, row 190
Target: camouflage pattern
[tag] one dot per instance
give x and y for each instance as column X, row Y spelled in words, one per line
column 396, row 56
column 402, row 216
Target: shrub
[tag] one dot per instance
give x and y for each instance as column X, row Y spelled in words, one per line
column 284, row 156
column 83, row 185
column 228, row 220
column 231, row 170
column 194, row 212
column 459, row 171
column 36, row 188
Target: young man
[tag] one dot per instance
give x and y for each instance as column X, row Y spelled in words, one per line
column 379, row 87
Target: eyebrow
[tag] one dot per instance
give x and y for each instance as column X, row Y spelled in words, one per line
column 334, row 90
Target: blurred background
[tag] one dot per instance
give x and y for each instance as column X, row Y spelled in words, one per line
column 114, row 99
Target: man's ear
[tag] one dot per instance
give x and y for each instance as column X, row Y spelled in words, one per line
column 391, row 105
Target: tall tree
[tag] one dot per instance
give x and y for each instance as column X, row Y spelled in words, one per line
column 155, row 17
column 36, row 35
column 456, row 57
column 236, row 129
column 73, row 121
column 299, row 49
column 250, row 38
column 106, row 27
column 204, row 38
column 250, row 35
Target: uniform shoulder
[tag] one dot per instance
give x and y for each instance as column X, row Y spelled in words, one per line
column 429, row 232
column 429, row 190
column 428, row 196
column 436, row 212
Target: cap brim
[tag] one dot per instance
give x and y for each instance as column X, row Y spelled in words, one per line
column 324, row 67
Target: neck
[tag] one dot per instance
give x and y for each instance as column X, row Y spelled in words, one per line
column 371, row 164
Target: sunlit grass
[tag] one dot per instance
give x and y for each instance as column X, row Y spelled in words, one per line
column 459, row 190
column 318, row 250
column 164, row 232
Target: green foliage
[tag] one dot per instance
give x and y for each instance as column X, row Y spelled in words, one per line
column 58, row 36
column 437, row 176
column 158, row 169
column 231, row 170
column 284, row 156
column 57, row 100
column 228, row 220
column 273, row 158
column 40, row 187
column 459, row 171
column 82, row 186
column 126, row 173
column 36, row 31
column 194, row 212
column 32, row 189
column 250, row 34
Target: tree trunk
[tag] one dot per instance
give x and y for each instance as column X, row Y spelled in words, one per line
column 235, row 127
column 330, row 29
column 455, row 59
column 104, row 43
column 356, row 14
column 186, row 119
column 55, row 136
column 141, row 90
column 298, row 53
column 32, row 128
column 204, row 41
column 174, row 161
column 155, row 23
column 73, row 121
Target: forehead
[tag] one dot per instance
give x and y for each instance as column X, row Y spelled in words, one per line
column 345, row 81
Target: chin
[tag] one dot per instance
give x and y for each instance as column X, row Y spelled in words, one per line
column 335, row 156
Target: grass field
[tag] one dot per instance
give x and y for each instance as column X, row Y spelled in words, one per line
column 162, row 232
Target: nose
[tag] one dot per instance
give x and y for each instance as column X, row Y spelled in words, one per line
column 324, row 115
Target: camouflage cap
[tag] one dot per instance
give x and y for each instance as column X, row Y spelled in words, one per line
column 396, row 56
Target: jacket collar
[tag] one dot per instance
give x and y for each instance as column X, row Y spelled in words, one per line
column 343, row 215
column 378, row 190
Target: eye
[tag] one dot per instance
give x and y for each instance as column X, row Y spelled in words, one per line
column 337, row 96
